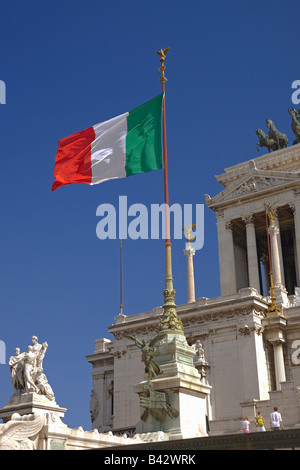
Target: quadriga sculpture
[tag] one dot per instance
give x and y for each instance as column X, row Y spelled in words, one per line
column 265, row 141
column 295, row 125
column 280, row 138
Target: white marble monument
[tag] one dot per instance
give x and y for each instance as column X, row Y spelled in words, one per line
column 32, row 419
column 249, row 353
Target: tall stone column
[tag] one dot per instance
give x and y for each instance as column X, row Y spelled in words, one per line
column 253, row 268
column 226, row 258
column 297, row 235
column 189, row 253
column 280, row 291
column 274, row 331
column 279, row 364
column 276, row 223
column 276, row 256
column 276, row 268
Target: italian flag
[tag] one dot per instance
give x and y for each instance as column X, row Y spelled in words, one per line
column 122, row 146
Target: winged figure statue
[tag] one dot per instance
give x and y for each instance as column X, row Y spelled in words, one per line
column 148, row 349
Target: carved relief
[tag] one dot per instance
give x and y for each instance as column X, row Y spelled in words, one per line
column 20, row 431
column 200, row 319
column 156, row 404
column 94, row 406
column 118, row 335
column 256, row 181
column 257, row 184
column 245, row 330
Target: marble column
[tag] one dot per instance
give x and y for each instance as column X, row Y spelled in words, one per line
column 297, row 237
column 279, row 364
column 226, row 258
column 253, row 268
column 189, row 253
column 276, row 268
column 276, row 222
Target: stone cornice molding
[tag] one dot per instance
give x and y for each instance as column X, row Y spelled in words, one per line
column 101, row 359
column 285, row 159
column 135, row 331
column 254, row 184
column 222, row 315
column 196, row 317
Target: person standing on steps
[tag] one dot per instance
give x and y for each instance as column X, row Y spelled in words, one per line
column 276, row 420
column 260, row 423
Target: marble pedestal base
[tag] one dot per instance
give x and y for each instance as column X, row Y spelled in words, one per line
column 28, row 403
column 185, row 394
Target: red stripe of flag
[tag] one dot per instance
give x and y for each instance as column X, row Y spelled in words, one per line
column 73, row 159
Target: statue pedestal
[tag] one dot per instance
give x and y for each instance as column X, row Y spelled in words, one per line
column 175, row 401
column 28, row 403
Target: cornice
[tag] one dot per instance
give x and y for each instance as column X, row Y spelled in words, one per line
column 254, row 185
column 195, row 314
column 280, row 159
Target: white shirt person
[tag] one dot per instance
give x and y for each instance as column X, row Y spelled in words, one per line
column 276, row 420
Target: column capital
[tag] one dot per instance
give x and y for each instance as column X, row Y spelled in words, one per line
column 264, row 258
column 277, row 342
column 273, row 230
column 292, row 208
column 229, row 225
column 248, row 219
column 189, row 251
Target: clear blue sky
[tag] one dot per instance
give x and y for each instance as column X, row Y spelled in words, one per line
column 70, row 64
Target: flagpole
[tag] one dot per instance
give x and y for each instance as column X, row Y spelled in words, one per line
column 169, row 321
column 163, row 80
column 121, row 280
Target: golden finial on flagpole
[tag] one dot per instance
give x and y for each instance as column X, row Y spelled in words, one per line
column 162, row 53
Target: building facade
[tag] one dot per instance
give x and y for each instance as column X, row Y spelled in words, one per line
column 249, row 356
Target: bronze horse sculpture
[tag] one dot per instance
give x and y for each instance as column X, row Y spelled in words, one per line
column 295, row 125
column 280, row 139
column 265, row 141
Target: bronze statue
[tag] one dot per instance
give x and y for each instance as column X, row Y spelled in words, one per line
column 280, row 139
column 148, row 351
column 295, row 125
column 156, row 404
column 265, row 141
column 271, row 211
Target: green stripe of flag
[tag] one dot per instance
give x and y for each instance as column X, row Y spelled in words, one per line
column 144, row 138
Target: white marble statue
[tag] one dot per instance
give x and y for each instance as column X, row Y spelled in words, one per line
column 199, row 352
column 26, row 370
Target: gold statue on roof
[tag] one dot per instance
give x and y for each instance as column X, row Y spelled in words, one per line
column 188, row 233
